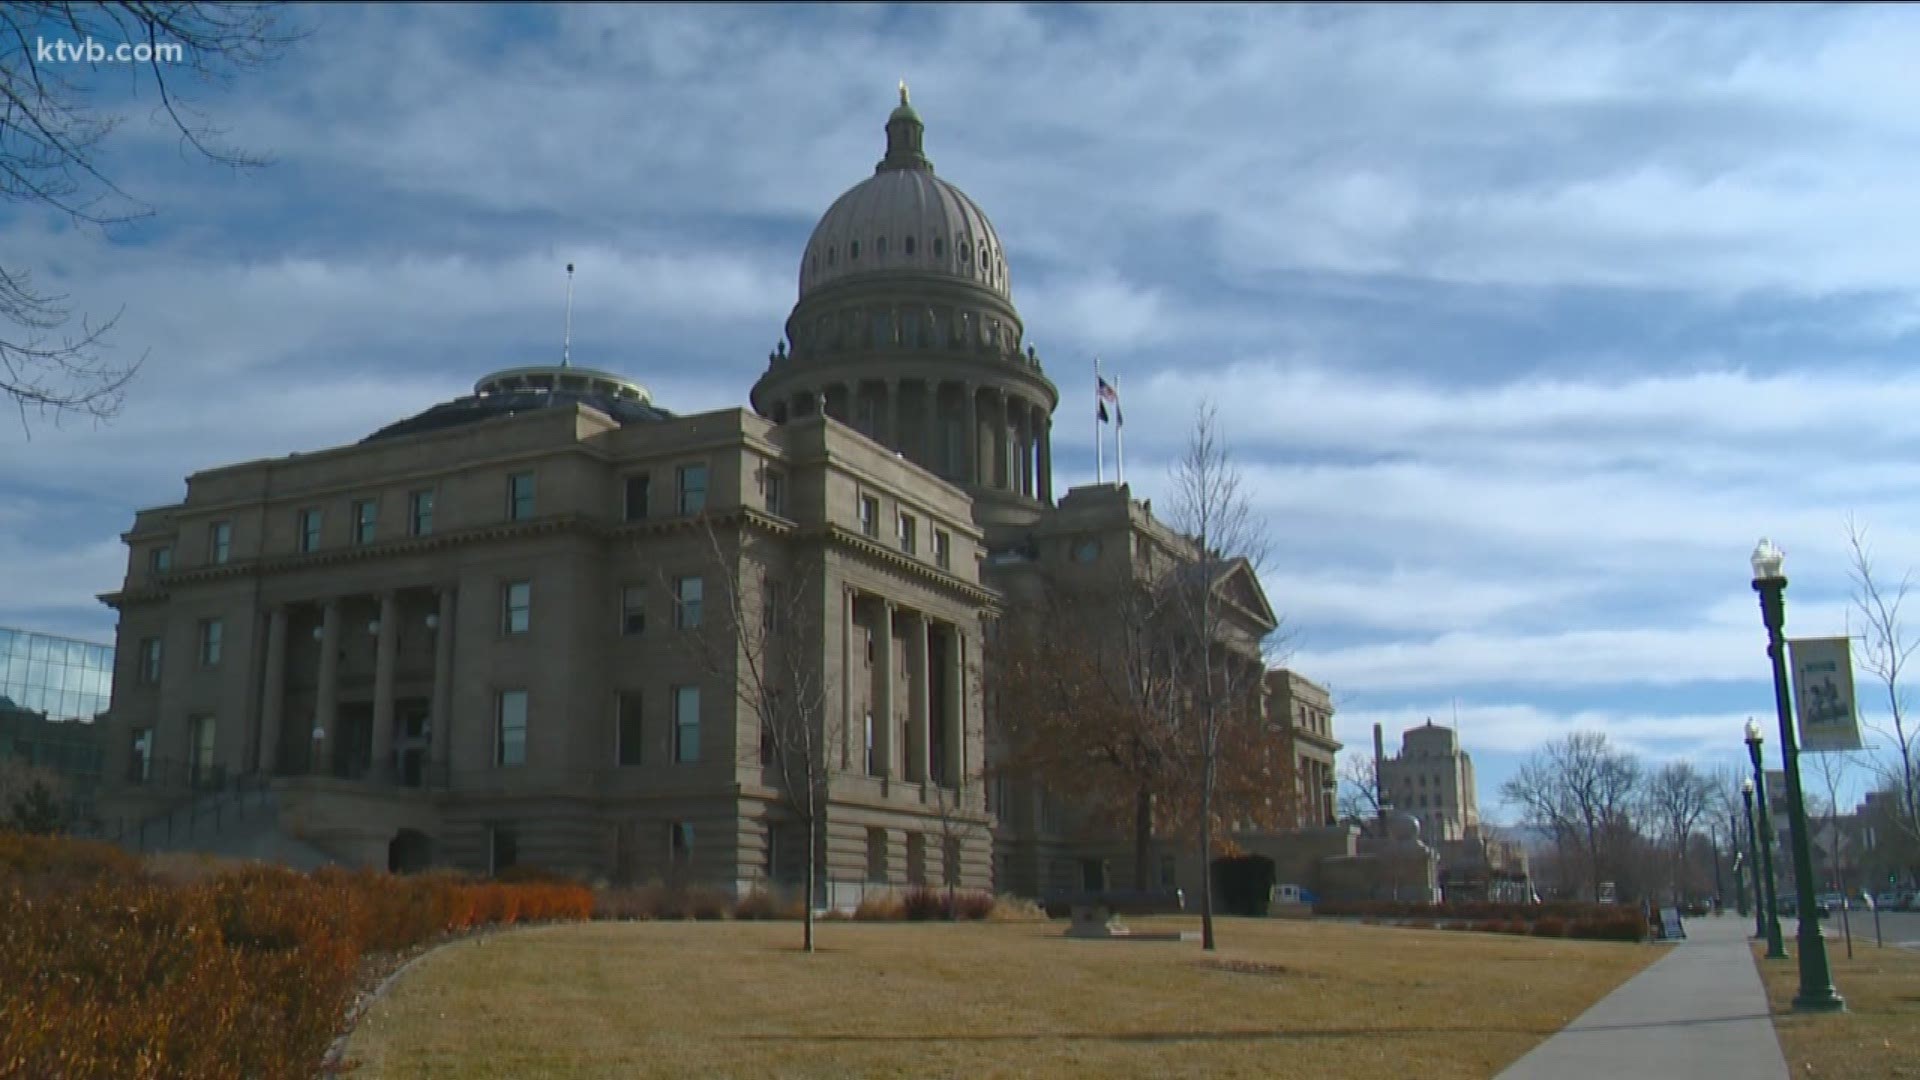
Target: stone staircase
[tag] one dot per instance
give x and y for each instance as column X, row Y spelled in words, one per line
column 232, row 823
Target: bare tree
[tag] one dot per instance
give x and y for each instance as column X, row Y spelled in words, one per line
column 763, row 635
column 1359, row 786
column 1218, row 681
column 1886, row 646
column 52, row 140
column 1581, row 791
column 1083, row 694
column 1677, row 799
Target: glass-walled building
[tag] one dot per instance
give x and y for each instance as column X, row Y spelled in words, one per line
column 52, row 689
column 60, row 678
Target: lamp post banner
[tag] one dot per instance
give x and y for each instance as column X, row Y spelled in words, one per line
column 1823, row 692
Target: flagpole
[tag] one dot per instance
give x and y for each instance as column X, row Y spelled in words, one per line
column 1099, row 448
column 1119, row 435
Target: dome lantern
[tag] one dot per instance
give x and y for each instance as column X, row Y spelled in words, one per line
column 904, row 134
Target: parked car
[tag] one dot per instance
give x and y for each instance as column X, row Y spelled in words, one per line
column 1887, row 901
column 1830, row 903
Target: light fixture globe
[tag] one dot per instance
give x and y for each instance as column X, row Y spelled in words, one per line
column 1753, row 731
column 1746, row 785
column 1767, row 561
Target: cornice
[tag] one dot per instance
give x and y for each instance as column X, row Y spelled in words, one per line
column 557, row 525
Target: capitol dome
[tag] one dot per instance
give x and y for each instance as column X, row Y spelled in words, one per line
column 903, row 217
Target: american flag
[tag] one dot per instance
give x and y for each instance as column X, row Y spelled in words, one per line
column 1104, row 393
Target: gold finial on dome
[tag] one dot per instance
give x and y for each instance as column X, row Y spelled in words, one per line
column 903, row 92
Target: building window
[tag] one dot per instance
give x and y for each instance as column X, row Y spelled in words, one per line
column 776, row 484
column 916, row 858
column 877, row 856
column 309, row 531
column 160, row 559
column 869, row 735
column 420, row 513
column 510, row 725
column 853, row 250
column 630, row 735
column 939, row 247
column 365, row 513
column 140, row 765
column 869, row 515
column 908, row 531
column 210, row 632
column 686, row 724
column 150, row 661
column 880, row 247
column 679, row 843
column 520, row 496
column 516, row 607
column 639, row 487
column 633, row 610
column 219, row 542
column 942, row 549
column 503, row 849
column 687, row 596
column 908, row 244
column 693, row 488
column 200, row 764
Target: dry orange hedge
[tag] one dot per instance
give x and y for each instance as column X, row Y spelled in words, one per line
column 105, row 972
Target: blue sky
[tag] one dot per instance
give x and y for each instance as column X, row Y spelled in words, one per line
column 1524, row 323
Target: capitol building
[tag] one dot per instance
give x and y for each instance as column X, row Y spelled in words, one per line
column 465, row 640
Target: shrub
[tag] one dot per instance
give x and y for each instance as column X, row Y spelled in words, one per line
column 761, row 904
column 921, row 904
column 881, row 907
column 1550, row 926
column 974, row 904
column 106, row 971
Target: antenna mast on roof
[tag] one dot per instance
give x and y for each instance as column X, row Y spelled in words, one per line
column 566, row 341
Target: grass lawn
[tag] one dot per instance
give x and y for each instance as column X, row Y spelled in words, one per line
column 1875, row 1038
column 1280, row 998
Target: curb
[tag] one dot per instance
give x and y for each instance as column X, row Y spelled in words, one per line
column 335, row 1058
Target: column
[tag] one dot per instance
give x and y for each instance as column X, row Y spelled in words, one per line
column 324, row 732
column 1001, row 475
column 920, row 704
column 1028, row 474
column 847, row 724
column 883, row 693
column 386, row 640
column 440, row 719
column 1046, row 459
column 970, row 434
column 273, row 707
column 956, row 709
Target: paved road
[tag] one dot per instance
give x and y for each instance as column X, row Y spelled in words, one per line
column 1698, row 1013
column 1896, row 927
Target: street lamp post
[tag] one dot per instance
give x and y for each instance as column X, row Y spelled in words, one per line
column 1816, row 979
column 1766, row 916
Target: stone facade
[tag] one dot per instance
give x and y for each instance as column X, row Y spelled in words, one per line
column 1432, row 780
column 1304, row 710
column 466, row 639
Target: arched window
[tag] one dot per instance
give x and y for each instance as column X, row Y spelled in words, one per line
column 816, row 262
column 966, row 253
column 880, row 248
column 985, row 266
column 939, row 247
column 909, row 243
column 829, row 256
column 853, row 251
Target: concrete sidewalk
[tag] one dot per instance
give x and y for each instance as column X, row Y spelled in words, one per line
column 1699, row 1011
